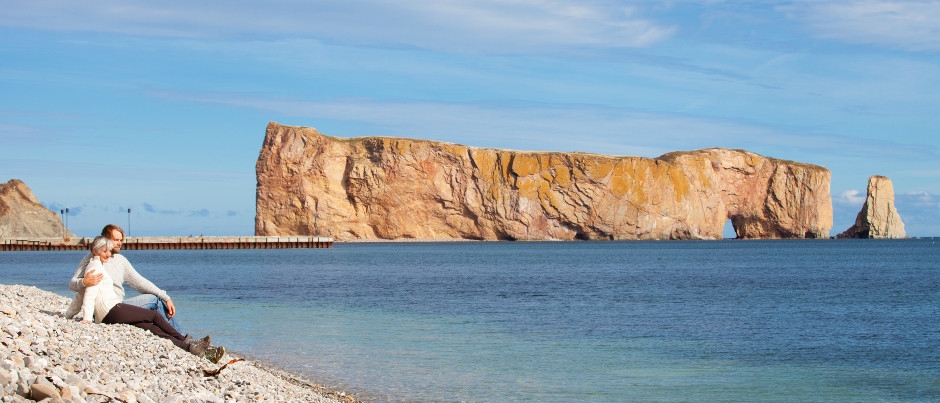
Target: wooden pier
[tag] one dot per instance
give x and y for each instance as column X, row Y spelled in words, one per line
column 167, row 243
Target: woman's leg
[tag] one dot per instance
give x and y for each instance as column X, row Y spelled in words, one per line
column 145, row 319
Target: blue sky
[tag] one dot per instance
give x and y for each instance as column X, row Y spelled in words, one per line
column 160, row 107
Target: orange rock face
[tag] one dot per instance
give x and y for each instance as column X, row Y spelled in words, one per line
column 878, row 219
column 22, row 216
column 394, row 188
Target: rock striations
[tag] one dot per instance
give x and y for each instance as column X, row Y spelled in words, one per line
column 394, row 188
column 878, row 217
column 22, row 216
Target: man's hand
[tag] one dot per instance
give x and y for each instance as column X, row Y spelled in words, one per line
column 92, row 280
column 170, row 309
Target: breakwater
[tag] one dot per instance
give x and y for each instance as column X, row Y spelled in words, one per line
column 173, row 242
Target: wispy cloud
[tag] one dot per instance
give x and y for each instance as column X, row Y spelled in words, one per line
column 921, row 200
column 524, row 23
column 920, row 212
column 20, row 135
column 588, row 128
column 60, row 208
column 906, row 25
column 850, row 197
column 191, row 213
column 480, row 26
column 150, row 209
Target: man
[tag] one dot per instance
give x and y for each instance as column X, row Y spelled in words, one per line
column 151, row 297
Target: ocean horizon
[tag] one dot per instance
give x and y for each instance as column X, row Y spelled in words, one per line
column 600, row 321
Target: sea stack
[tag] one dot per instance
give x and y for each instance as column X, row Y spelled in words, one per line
column 878, row 219
column 22, row 216
column 395, row 188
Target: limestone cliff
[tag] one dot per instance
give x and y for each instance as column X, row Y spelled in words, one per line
column 394, row 188
column 878, row 217
column 22, row 216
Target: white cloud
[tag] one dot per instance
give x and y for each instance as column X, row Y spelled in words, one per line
column 850, row 197
column 906, row 25
column 556, row 127
column 150, row 209
column 538, row 23
column 921, row 200
column 490, row 26
column 920, row 212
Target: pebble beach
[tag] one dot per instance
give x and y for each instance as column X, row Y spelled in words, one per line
column 45, row 357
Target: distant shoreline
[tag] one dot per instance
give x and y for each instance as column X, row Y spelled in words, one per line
column 437, row 240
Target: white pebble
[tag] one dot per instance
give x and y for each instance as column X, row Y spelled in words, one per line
column 118, row 361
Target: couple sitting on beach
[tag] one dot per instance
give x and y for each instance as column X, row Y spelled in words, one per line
column 99, row 294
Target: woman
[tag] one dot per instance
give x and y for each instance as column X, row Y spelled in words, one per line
column 101, row 303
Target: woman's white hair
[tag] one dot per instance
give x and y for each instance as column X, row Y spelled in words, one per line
column 101, row 242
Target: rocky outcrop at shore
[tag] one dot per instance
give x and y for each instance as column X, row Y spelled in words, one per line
column 22, row 216
column 878, row 219
column 45, row 356
column 393, row 188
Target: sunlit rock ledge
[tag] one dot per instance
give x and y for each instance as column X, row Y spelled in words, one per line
column 394, row 188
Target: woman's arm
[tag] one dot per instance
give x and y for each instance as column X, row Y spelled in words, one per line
column 91, row 293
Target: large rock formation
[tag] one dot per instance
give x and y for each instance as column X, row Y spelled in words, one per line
column 393, row 188
column 22, row 216
column 878, row 217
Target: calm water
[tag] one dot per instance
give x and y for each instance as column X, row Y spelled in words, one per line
column 827, row 320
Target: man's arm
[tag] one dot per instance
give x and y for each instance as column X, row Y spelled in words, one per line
column 138, row 282
column 76, row 283
column 170, row 308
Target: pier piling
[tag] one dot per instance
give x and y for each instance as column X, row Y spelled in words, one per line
column 171, row 243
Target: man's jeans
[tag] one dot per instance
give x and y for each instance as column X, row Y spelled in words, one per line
column 151, row 302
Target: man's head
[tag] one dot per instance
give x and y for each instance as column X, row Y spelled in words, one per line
column 116, row 235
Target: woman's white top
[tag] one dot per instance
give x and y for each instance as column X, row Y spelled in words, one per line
column 100, row 298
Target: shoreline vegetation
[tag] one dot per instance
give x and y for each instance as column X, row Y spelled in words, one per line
column 44, row 355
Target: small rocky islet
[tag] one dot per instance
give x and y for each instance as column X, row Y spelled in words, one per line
column 46, row 357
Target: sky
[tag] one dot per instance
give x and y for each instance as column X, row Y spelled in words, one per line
column 160, row 108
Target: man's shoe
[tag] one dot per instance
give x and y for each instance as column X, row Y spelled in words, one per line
column 199, row 347
column 214, row 353
column 190, row 340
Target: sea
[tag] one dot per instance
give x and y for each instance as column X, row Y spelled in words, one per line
column 656, row 321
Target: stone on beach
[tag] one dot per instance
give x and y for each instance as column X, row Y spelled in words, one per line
column 45, row 356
